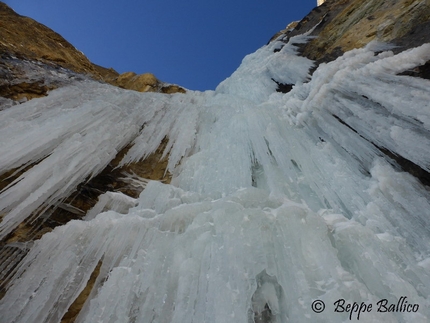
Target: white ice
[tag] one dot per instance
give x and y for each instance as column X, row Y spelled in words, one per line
column 277, row 200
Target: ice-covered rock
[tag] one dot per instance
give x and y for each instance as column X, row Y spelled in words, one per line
column 277, row 200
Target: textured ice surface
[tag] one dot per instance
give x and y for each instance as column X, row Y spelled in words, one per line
column 115, row 201
column 277, row 200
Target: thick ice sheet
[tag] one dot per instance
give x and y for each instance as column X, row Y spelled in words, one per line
column 277, row 200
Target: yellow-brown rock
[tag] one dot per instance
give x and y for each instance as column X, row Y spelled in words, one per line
column 287, row 29
column 145, row 83
column 109, row 75
column 342, row 25
column 29, row 91
column 363, row 21
column 142, row 83
column 24, row 37
column 170, row 89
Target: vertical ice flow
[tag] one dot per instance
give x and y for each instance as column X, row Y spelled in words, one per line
column 277, row 200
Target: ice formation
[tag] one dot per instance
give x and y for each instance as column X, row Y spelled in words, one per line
column 277, row 200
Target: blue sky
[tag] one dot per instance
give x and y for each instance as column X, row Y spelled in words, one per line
column 195, row 44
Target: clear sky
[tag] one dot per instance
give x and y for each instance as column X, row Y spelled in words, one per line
column 193, row 43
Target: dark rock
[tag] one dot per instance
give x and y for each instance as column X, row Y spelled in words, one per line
column 283, row 87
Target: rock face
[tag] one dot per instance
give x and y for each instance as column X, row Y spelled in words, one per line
column 25, row 38
column 342, row 25
column 144, row 83
column 22, row 38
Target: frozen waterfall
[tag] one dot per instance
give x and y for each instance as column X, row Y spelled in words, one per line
column 279, row 202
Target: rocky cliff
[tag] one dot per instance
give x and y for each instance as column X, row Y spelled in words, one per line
column 23, row 42
column 342, row 25
column 338, row 26
column 31, row 67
